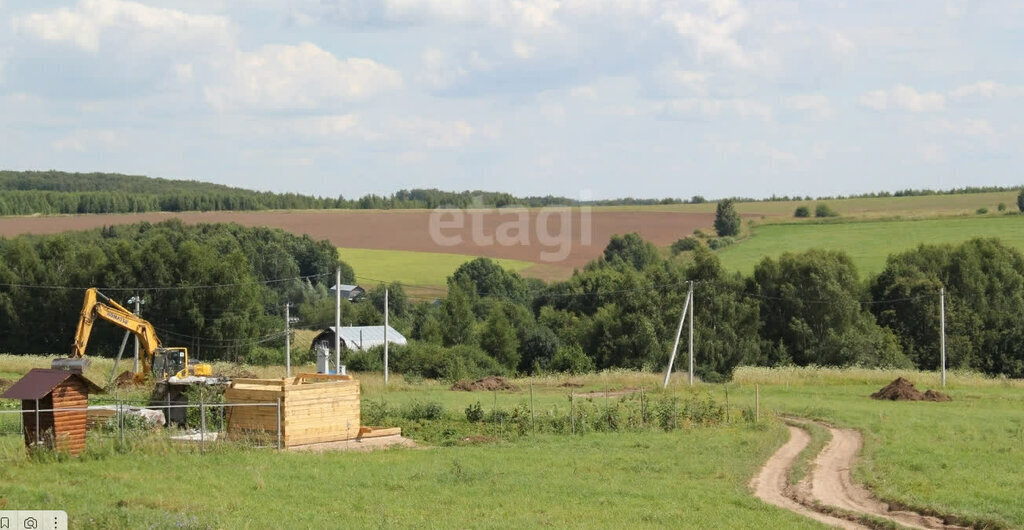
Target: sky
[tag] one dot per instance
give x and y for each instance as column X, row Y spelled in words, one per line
column 580, row 98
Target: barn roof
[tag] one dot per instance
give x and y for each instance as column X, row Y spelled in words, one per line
column 362, row 337
column 39, row 382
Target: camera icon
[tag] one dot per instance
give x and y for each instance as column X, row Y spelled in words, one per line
column 30, row 523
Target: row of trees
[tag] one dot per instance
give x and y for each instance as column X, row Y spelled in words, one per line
column 809, row 308
column 203, row 285
column 206, row 286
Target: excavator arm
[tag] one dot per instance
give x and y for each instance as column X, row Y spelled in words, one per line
column 97, row 305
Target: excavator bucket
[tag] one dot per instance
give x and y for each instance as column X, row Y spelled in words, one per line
column 71, row 364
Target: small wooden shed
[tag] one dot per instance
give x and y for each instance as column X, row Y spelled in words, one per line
column 43, row 393
column 314, row 408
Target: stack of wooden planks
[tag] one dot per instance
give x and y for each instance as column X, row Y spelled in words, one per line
column 315, row 408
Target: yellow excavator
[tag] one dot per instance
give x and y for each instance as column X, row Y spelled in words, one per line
column 160, row 362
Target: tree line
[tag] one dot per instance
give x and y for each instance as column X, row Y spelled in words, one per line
column 215, row 288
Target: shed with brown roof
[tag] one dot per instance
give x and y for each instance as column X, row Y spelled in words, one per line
column 55, row 406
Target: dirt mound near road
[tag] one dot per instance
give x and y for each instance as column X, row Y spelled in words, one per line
column 932, row 395
column 903, row 390
column 487, row 383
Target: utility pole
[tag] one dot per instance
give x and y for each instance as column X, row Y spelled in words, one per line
column 287, row 340
column 137, row 300
column 337, row 322
column 385, row 335
column 675, row 346
column 691, row 332
column 942, row 328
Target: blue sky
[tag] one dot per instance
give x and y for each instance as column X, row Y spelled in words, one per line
column 582, row 98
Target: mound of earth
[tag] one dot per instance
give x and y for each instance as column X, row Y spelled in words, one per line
column 487, row 383
column 126, row 378
column 570, row 384
column 931, row 395
column 902, row 390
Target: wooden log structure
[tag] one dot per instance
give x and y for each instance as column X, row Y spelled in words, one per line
column 315, row 408
column 55, row 403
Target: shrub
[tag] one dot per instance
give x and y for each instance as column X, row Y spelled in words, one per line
column 685, row 244
column 371, row 360
column 1020, row 201
column 727, row 219
column 423, row 410
column 571, row 359
column 802, row 211
column 263, row 356
column 824, row 210
column 475, row 413
column 981, row 211
column 716, row 243
column 374, row 412
column 700, row 233
column 1002, row 207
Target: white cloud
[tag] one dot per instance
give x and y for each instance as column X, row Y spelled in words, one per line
column 705, row 107
column 839, row 43
column 714, row 31
column 521, row 49
column 816, row 105
column 903, row 97
column 985, row 90
column 694, row 81
column 304, row 76
column 92, row 21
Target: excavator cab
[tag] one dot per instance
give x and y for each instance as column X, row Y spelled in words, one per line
column 169, row 361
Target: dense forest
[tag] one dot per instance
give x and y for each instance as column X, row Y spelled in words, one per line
column 56, row 192
column 221, row 288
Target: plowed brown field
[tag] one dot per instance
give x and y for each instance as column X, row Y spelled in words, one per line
column 544, row 244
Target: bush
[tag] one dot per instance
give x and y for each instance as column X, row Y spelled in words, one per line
column 802, row 211
column 716, row 243
column 824, row 210
column 1020, row 201
column 571, row 359
column 449, row 364
column 685, row 244
column 263, row 356
column 374, row 412
column 1002, row 207
column 697, row 232
column 475, row 413
column 981, row 211
column 371, row 360
column 423, row 410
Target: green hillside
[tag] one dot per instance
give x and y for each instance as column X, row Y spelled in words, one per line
column 868, row 242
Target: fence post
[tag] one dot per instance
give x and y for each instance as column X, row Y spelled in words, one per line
column 278, row 424
column 533, row 415
column 120, row 423
column 726, row 387
column 202, row 424
column 572, row 411
column 757, row 403
column 37, row 425
column 643, row 408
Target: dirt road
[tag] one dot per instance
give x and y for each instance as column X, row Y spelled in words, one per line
column 829, row 487
column 772, row 483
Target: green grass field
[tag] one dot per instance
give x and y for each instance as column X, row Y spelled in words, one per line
column 907, row 207
column 962, row 458
column 412, row 268
column 868, row 242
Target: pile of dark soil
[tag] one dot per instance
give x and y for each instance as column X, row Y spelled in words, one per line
column 902, row 390
column 126, row 378
column 487, row 383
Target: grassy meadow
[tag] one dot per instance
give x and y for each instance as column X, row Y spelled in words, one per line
column 412, row 268
column 868, row 243
column 961, row 458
